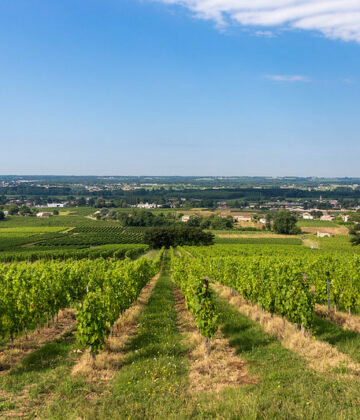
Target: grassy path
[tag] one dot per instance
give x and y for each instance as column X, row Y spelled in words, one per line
column 41, row 374
column 153, row 379
column 286, row 388
column 346, row 341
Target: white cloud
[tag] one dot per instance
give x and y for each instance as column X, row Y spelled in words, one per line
column 286, row 78
column 266, row 34
column 337, row 19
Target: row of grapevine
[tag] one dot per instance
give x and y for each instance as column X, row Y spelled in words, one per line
column 109, row 298
column 334, row 276
column 97, row 235
column 188, row 275
column 337, row 279
column 29, row 292
column 278, row 287
column 104, row 251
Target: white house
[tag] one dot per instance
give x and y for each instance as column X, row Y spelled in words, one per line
column 43, row 214
column 307, row 216
column 146, row 206
column 263, row 221
column 56, row 205
column 185, row 218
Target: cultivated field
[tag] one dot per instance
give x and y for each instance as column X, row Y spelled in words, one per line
column 239, row 329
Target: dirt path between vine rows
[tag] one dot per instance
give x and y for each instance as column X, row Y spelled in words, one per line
column 13, row 353
column 320, row 356
column 222, row 368
column 109, row 361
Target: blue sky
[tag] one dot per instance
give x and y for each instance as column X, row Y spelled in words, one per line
column 173, row 87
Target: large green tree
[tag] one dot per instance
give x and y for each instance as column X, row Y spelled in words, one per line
column 177, row 235
column 285, row 223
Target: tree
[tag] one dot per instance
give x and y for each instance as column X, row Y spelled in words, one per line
column 177, row 235
column 355, row 240
column 2, row 215
column 24, row 210
column 100, row 202
column 285, row 223
column 13, row 209
column 81, row 201
column 268, row 221
column 194, row 221
column 55, row 212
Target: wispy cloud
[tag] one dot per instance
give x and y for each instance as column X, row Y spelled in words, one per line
column 336, row 19
column 287, row 78
column 266, row 34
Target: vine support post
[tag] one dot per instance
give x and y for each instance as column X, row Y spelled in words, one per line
column 328, row 294
column 207, row 347
column 92, row 355
column 303, row 329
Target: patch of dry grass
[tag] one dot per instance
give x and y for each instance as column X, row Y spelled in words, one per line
column 320, row 356
column 221, row 369
column 344, row 320
column 340, row 230
column 13, row 353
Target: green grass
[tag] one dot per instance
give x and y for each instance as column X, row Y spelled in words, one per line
column 152, row 381
column 286, row 388
column 39, row 376
column 337, row 243
column 345, row 341
column 259, row 241
column 315, row 223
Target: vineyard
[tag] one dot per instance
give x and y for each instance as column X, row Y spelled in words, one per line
column 264, row 328
column 103, row 251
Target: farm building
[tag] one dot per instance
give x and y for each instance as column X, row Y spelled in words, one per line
column 43, row 214
column 307, row 216
column 56, row 205
column 324, row 234
column 185, row 218
column 147, row 206
column 263, row 221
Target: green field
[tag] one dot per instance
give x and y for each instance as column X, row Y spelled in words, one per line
column 153, row 366
column 315, row 223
